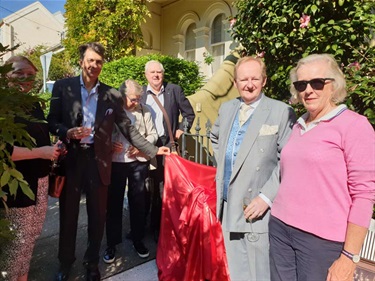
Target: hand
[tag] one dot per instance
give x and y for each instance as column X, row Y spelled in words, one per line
column 341, row 270
column 61, row 148
column 49, row 152
column 163, row 150
column 178, row 134
column 132, row 151
column 256, row 208
column 117, row 146
column 78, row 133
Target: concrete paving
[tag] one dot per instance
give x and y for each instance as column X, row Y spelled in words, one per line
column 144, row 272
column 127, row 266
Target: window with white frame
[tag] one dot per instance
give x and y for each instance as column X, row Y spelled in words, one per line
column 190, row 44
column 217, row 41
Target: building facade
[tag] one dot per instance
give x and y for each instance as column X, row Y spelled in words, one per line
column 195, row 30
column 31, row 26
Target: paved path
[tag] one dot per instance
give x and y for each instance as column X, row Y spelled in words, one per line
column 144, row 272
column 44, row 263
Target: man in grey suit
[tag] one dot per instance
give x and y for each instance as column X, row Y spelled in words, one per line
column 83, row 114
column 247, row 139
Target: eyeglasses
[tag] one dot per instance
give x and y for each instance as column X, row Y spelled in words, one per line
column 316, row 84
column 134, row 100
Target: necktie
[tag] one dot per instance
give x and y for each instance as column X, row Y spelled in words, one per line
column 243, row 116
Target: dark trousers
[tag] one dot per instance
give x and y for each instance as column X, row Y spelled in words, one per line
column 135, row 173
column 84, row 178
column 299, row 255
column 157, row 176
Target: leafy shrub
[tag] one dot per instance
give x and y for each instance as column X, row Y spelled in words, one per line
column 13, row 103
column 181, row 72
column 284, row 31
column 115, row 24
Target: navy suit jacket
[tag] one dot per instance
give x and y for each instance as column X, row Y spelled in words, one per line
column 175, row 103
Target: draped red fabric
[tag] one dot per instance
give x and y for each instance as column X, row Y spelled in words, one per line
column 191, row 245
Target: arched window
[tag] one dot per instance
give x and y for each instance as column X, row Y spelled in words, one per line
column 190, row 43
column 217, row 41
column 217, row 35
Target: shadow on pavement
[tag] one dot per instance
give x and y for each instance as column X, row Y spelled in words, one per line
column 45, row 264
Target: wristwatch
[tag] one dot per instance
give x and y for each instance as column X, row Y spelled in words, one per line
column 354, row 258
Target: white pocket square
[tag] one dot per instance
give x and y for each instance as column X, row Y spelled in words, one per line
column 267, row 130
column 109, row 111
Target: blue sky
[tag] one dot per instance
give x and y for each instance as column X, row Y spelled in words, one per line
column 8, row 7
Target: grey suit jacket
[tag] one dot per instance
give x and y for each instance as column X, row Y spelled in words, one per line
column 257, row 161
column 66, row 104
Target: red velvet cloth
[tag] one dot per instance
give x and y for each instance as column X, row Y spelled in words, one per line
column 191, row 245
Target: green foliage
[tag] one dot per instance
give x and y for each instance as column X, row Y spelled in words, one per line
column 343, row 28
column 45, row 101
column 361, row 84
column 13, row 103
column 6, row 233
column 208, row 58
column 177, row 71
column 115, row 24
column 59, row 67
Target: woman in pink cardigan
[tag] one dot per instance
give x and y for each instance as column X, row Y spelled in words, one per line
column 324, row 205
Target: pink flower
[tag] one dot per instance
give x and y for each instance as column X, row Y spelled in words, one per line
column 304, row 20
column 232, row 22
column 355, row 65
column 261, row 54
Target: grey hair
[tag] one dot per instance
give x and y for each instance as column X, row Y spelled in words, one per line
column 131, row 84
column 333, row 71
column 154, row 61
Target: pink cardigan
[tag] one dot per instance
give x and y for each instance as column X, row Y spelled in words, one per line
column 328, row 177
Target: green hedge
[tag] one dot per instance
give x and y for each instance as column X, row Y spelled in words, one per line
column 177, row 71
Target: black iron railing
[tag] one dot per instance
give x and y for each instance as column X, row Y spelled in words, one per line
column 196, row 146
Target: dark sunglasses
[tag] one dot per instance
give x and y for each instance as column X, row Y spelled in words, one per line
column 316, row 84
column 134, row 100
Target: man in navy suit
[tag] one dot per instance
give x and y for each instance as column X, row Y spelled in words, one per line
column 83, row 113
column 172, row 98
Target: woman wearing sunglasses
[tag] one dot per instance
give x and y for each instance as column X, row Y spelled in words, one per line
column 324, row 205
